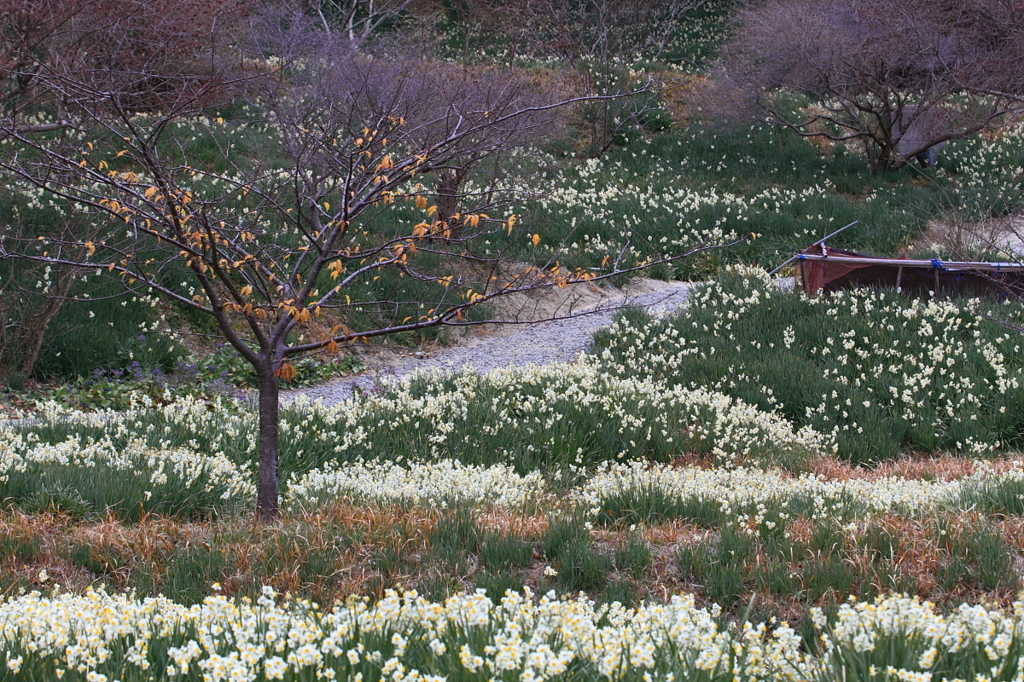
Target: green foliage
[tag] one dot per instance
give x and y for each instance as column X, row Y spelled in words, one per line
column 18, row 544
column 105, row 334
column 881, row 372
column 54, row 497
column 701, row 33
column 830, row 575
column 100, row 560
column 633, row 556
column 580, row 567
column 570, row 549
column 977, row 557
column 622, row 591
column 503, row 557
column 191, row 572
column 1001, row 496
column 652, row 505
column 827, row 537
column 455, row 536
column 504, row 550
column 561, row 532
column 718, row 567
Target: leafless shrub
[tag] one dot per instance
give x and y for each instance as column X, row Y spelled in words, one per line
column 900, row 77
column 600, row 41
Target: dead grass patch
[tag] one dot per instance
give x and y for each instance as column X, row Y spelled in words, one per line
column 349, row 549
column 944, row 467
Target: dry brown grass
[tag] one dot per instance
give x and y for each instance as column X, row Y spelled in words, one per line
column 523, row 525
column 678, row 93
column 941, row 467
column 348, row 541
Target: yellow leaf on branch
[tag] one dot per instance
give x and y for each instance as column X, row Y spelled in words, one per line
column 286, row 372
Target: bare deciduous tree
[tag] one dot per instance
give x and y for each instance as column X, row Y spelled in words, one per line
column 145, row 57
column 142, row 52
column 600, row 40
column 900, row 76
column 285, row 246
column 356, row 19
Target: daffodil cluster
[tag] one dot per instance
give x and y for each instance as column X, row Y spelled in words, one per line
column 99, row 636
column 741, row 493
column 405, row 638
column 872, row 369
column 119, row 475
column 436, row 483
column 527, row 418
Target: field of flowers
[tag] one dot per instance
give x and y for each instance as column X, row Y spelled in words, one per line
column 676, row 459
column 99, row 637
column 687, row 456
column 657, row 194
column 663, row 193
column 765, row 486
column 880, row 373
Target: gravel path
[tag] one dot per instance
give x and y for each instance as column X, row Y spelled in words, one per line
column 539, row 343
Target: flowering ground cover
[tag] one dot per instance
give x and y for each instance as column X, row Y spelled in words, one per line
column 98, row 636
column 880, row 373
column 662, row 193
column 658, row 194
column 680, row 459
column 765, row 487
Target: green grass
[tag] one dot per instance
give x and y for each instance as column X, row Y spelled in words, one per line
column 653, row 505
column 20, row 545
column 717, row 567
column 98, row 491
column 633, row 556
column 569, row 548
column 103, row 334
column 1003, row 497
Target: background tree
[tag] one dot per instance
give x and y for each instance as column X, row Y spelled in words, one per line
column 356, row 19
column 143, row 55
column 601, row 41
column 295, row 249
column 31, row 297
column 899, row 76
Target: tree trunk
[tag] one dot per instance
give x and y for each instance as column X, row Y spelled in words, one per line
column 37, row 332
column 879, row 155
column 448, row 183
column 267, row 508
